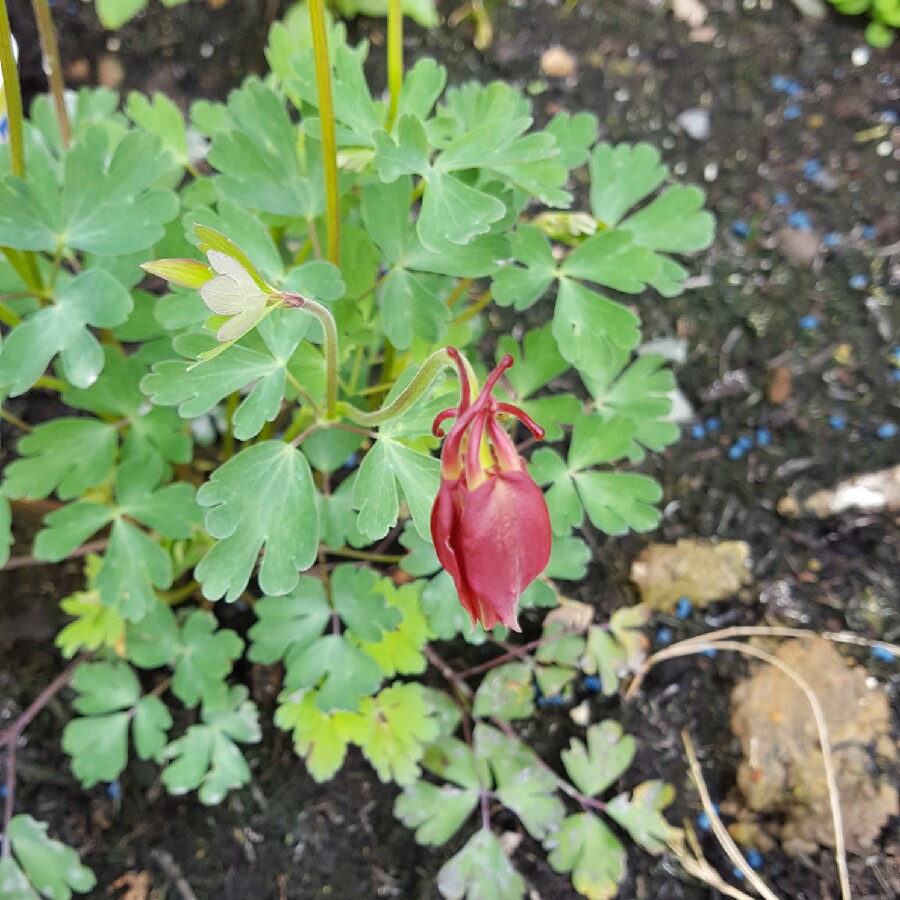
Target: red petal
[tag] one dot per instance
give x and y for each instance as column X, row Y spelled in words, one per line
column 505, row 538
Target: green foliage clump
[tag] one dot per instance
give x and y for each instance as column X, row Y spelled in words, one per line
column 258, row 432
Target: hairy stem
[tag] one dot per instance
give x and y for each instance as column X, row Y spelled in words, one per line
column 394, row 58
column 326, row 118
column 438, row 360
column 54, row 66
column 330, row 345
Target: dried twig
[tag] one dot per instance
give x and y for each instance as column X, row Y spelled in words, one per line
column 701, row 644
column 719, row 830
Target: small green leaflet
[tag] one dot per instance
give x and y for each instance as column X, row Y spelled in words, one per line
column 286, row 625
column 95, row 625
column 607, row 658
column 641, row 814
column 342, row 673
column 505, row 692
column 92, row 298
column 480, row 871
column 608, row 754
column 522, row 783
column 614, row 501
column 205, row 658
column 107, row 204
column 587, row 848
column 641, row 392
column 267, row 357
column 134, row 563
column 400, row 725
column 262, row 497
column 68, row 456
column 320, row 737
column 207, row 756
column 400, row 651
column 436, row 813
column 263, row 167
column 160, row 116
column 49, row 866
column 375, row 490
column 110, row 698
column 357, row 599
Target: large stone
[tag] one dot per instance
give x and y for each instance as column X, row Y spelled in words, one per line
column 698, row 570
column 782, row 772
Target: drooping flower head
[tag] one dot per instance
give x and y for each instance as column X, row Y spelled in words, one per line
column 490, row 524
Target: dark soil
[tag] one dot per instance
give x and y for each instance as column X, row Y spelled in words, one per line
column 637, row 68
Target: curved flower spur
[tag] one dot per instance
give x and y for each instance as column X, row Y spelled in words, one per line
column 490, row 524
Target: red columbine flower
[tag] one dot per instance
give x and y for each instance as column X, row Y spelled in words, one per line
column 490, row 524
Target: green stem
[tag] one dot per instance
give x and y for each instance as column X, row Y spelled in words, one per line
column 326, row 118
column 394, row 58
column 329, row 345
column 231, row 405
column 350, row 553
column 54, row 75
column 13, row 94
column 8, row 317
column 7, row 416
column 438, row 360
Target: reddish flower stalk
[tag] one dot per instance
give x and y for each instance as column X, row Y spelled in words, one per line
column 490, row 524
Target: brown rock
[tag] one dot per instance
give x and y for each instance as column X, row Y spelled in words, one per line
column 699, row 570
column 557, row 62
column 783, row 772
column 798, row 247
column 781, row 385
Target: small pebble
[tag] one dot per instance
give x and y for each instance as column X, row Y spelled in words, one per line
column 2, row 791
column 886, row 430
column 792, row 112
column 869, row 232
column 663, row 636
column 858, row 282
column 837, row 422
column 114, row 790
column 711, row 653
column 763, row 437
column 591, row 683
column 557, row 62
column 745, row 442
column 882, row 654
column 831, row 239
column 809, row 322
column 889, row 117
column 694, row 123
column 782, row 198
column 683, row 610
column 698, row 431
column 895, row 375
column 735, row 451
column 799, row 220
column 861, row 55
column 713, row 424
column 754, row 857
column 740, row 228
column 703, row 820
column 737, row 873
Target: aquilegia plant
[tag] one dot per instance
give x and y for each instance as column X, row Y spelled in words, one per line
column 262, row 326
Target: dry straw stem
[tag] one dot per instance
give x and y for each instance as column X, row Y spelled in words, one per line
column 698, row 866
column 719, row 830
column 699, row 645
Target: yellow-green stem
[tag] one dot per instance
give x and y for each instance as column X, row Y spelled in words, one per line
column 394, row 58
column 54, row 75
column 13, row 94
column 7, row 416
column 326, row 119
column 231, row 405
column 8, row 317
column 474, row 309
